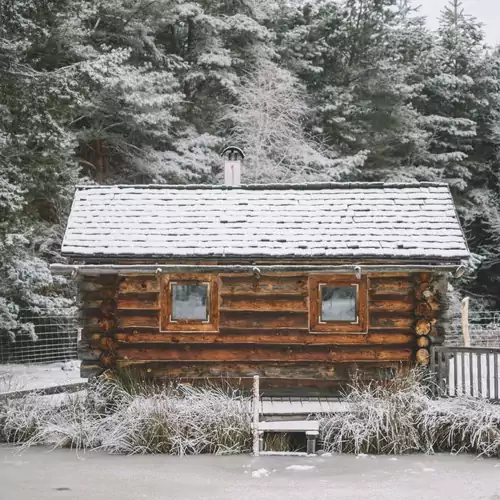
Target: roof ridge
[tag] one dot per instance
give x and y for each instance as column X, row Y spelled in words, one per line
column 277, row 187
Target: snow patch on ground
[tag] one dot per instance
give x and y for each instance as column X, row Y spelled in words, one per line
column 14, row 377
column 260, row 473
column 300, row 467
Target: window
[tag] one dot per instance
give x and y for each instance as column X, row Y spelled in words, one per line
column 189, row 303
column 337, row 304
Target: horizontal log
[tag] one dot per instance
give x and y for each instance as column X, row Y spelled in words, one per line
column 283, row 371
column 139, row 284
column 258, row 337
column 264, row 319
column 249, row 284
column 138, row 301
column 142, row 321
column 104, row 324
column 90, row 369
column 86, row 287
column 390, row 286
column 97, row 296
column 86, row 352
column 269, row 352
column 404, row 304
column 148, row 269
column 264, row 302
column 385, row 320
column 126, row 302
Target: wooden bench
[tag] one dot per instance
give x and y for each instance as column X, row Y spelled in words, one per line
column 310, row 427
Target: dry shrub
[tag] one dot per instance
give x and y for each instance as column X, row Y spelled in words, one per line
column 400, row 417
column 182, row 420
column 462, row 424
column 22, row 420
column 134, row 416
column 381, row 418
column 112, row 416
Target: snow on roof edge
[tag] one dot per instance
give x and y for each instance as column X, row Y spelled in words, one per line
column 256, row 187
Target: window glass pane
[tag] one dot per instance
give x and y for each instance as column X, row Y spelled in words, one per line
column 190, row 302
column 338, row 303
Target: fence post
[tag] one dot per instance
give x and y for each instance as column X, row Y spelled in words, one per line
column 464, row 309
column 256, row 412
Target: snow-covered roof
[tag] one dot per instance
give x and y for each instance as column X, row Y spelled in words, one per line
column 345, row 220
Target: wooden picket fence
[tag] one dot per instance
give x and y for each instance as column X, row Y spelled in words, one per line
column 469, row 371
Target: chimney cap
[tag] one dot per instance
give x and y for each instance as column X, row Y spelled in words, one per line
column 233, row 153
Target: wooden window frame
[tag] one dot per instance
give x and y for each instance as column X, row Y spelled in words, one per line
column 189, row 325
column 316, row 282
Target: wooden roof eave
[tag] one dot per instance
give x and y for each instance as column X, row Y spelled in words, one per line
column 148, row 269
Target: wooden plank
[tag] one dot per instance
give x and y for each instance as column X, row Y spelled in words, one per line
column 390, row 286
column 135, row 321
column 139, row 284
column 464, row 314
column 281, row 373
column 403, row 304
column 290, row 426
column 90, row 369
column 264, row 319
column 496, row 376
column 86, row 352
column 97, row 295
column 264, row 302
column 455, row 375
column 230, row 336
column 386, row 320
column 488, row 376
column 479, row 375
column 138, row 301
column 270, row 352
column 249, row 284
column 471, row 374
column 462, row 363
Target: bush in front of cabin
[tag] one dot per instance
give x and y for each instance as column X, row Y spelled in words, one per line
column 400, row 417
column 112, row 415
column 182, row 420
column 461, row 425
column 130, row 416
column 381, row 419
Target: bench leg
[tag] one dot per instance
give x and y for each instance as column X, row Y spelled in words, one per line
column 311, row 442
column 261, row 441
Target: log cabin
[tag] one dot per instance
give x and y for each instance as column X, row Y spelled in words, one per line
column 304, row 285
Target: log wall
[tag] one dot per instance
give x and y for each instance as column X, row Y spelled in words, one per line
column 263, row 329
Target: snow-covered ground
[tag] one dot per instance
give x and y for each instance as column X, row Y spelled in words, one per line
column 38, row 474
column 14, row 377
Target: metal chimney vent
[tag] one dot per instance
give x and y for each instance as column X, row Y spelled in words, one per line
column 233, row 157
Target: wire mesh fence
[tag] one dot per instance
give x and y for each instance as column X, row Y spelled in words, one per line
column 484, row 319
column 55, row 339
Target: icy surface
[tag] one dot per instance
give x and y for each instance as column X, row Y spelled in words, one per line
column 14, row 377
column 42, row 475
column 301, row 467
column 381, row 221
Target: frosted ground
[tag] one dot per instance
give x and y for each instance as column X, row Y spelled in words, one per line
column 17, row 377
column 39, row 474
